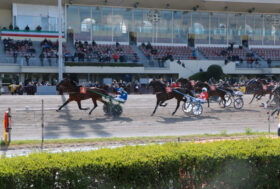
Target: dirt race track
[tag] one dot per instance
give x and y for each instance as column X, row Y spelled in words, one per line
column 135, row 120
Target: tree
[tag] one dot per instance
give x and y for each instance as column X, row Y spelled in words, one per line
column 215, row 71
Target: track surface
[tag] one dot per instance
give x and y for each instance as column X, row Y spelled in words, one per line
column 135, row 120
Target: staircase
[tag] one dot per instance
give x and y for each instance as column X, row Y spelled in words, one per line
column 141, row 55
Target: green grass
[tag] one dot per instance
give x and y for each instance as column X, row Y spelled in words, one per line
column 223, row 134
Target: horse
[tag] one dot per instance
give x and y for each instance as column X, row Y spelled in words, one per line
column 162, row 96
column 185, row 83
column 74, row 94
column 260, row 88
column 211, row 92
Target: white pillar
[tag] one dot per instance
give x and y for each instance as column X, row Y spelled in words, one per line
column 60, row 66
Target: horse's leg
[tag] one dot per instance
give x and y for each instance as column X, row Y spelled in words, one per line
column 80, row 106
column 178, row 104
column 95, row 105
column 252, row 98
column 64, row 104
column 158, row 102
column 163, row 105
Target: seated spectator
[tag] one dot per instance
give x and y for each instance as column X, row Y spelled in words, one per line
column 11, row 27
column 117, row 44
column 116, row 57
column 16, row 28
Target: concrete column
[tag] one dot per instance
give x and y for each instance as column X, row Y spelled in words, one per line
column 21, row 77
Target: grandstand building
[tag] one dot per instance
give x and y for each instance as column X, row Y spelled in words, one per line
column 138, row 40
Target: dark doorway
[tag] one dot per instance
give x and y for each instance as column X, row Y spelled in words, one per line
column 245, row 40
column 133, row 38
column 191, row 38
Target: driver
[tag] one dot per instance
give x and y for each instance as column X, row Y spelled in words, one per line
column 123, row 95
column 204, row 95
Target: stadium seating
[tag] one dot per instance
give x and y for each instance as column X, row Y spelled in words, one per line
column 178, row 52
column 104, row 52
column 216, row 53
column 266, row 53
column 20, row 48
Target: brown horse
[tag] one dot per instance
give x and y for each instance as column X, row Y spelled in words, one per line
column 75, row 95
column 217, row 91
column 162, row 96
column 260, row 88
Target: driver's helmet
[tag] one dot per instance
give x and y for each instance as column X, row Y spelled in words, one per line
column 204, row 89
column 121, row 89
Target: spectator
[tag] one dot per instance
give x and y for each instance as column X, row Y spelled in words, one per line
column 117, row 44
column 27, row 28
column 15, row 54
column 16, row 28
column 116, row 57
column 42, row 56
column 269, row 62
column 11, row 27
column 27, row 59
column 38, row 28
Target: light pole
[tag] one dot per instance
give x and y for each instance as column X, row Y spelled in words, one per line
column 60, row 66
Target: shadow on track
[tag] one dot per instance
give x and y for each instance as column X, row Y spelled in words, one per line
column 172, row 120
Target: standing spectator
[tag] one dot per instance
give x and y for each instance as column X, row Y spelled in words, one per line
column 27, row 28
column 27, row 59
column 15, row 56
column 42, row 56
column 269, row 62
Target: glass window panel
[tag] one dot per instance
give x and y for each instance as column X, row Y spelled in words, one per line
column 164, row 27
column 97, row 24
column 200, row 25
column 218, row 28
column 146, row 34
column 257, row 34
column 85, row 23
column 73, row 20
column 178, row 30
column 31, row 21
column 236, row 28
column 269, row 29
column 122, row 22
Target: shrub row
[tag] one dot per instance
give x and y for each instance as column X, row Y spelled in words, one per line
column 228, row 164
column 103, row 64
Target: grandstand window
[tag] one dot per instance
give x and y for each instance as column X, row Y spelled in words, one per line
column 236, row 27
column 200, row 27
column 106, row 24
column 257, row 35
column 147, row 30
column 73, row 20
column 96, row 26
column 269, row 29
column 218, row 28
column 178, row 30
column 122, row 18
column 186, row 24
column 85, row 23
column 164, row 27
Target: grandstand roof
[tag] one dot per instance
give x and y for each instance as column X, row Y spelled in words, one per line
column 258, row 6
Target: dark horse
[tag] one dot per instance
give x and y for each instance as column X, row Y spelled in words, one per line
column 260, row 88
column 75, row 95
column 162, row 96
column 217, row 91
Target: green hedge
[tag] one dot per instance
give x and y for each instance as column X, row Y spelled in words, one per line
column 227, row 164
column 103, row 64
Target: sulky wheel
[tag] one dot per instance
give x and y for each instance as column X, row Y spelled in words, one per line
column 238, row 103
column 187, row 108
column 197, row 109
column 228, row 101
column 116, row 110
column 107, row 108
